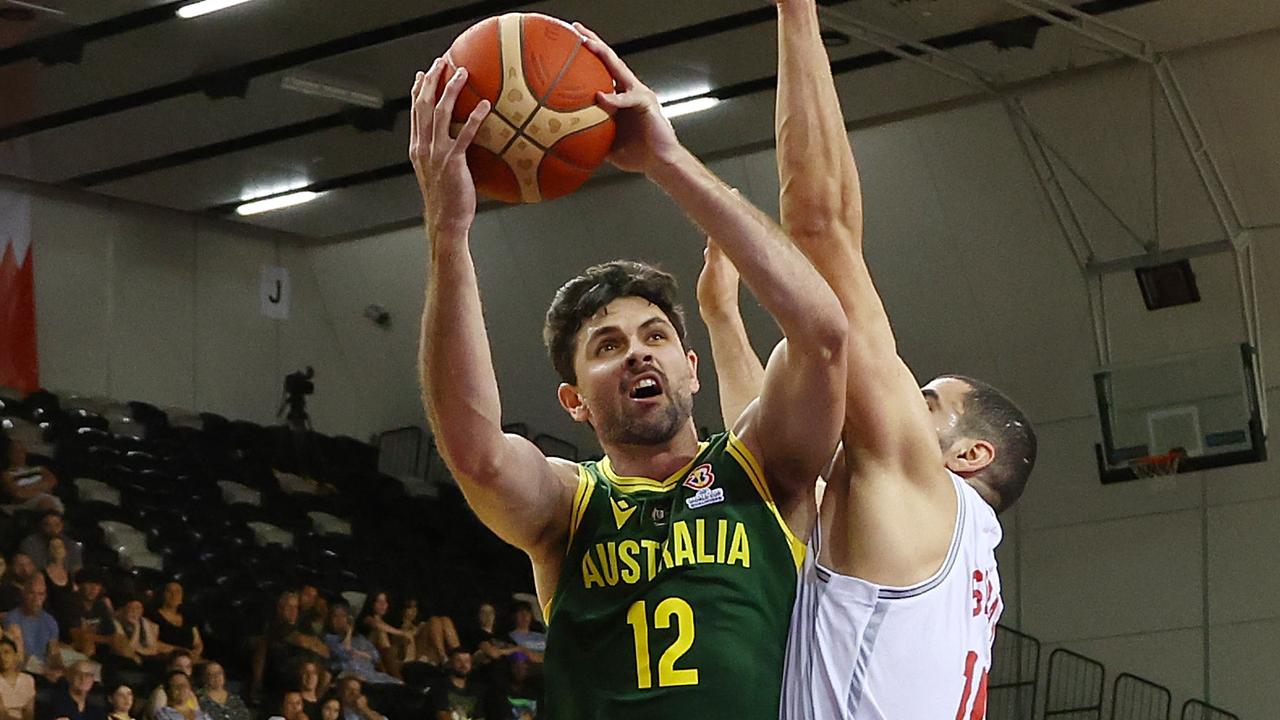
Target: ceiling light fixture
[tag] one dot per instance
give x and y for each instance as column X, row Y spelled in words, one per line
column 316, row 85
column 31, row 8
column 676, row 108
column 204, row 7
column 276, row 203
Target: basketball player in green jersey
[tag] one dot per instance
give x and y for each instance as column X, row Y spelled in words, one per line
column 668, row 569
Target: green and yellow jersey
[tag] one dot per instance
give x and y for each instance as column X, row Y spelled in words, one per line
column 675, row 595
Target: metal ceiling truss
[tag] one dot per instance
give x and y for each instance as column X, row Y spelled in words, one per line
column 1237, row 236
column 1045, row 158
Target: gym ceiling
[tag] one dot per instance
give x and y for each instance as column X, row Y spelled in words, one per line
column 126, row 99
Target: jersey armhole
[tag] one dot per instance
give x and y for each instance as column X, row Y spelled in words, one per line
column 738, row 451
column 581, row 497
column 577, row 510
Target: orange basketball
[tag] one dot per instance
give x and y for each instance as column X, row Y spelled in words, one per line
column 545, row 135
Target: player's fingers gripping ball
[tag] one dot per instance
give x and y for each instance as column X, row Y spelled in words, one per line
column 545, row 134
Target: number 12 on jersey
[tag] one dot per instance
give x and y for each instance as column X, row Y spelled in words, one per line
column 673, row 608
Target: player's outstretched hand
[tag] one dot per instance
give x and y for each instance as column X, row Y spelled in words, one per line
column 717, row 284
column 440, row 161
column 645, row 137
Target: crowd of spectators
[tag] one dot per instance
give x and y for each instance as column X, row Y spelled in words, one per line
column 73, row 649
column 322, row 669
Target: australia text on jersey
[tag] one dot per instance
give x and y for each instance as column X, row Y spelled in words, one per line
column 630, row 561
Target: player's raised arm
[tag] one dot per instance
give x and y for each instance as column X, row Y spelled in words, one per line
column 739, row 372
column 519, row 494
column 821, row 207
column 797, row 425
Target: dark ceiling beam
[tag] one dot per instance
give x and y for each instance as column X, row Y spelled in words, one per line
column 72, row 42
column 993, row 32
column 246, row 142
column 264, row 66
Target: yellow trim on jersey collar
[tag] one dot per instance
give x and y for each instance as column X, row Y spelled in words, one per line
column 642, row 483
column 739, row 451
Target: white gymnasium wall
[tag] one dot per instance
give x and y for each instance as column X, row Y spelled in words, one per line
column 1176, row 581
column 141, row 304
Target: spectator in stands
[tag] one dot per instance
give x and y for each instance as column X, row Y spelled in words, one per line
column 19, row 569
column 87, row 624
column 330, row 709
column 214, row 698
column 352, row 653
column 36, row 545
column 57, row 579
column 10, row 595
column 179, row 663
column 120, row 702
column 355, row 706
column 14, row 633
column 430, row 640
column 373, row 622
column 291, row 706
column 287, row 647
column 70, row 700
column 457, row 698
column 177, row 629
column 180, row 702
column 313, row 611
column 312, row 685
column 483, row 641
column 516, row 694
column 531, row 641
column 136, row 644
column 17, row 689
column 39, row 630
column 25, row 487
column 404, row 649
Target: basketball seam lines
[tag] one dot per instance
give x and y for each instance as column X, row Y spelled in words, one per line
column 476, row 91
column 502, row 61
column 520, row 134
column 551, row 150
column 550, row 88
column 539, row 101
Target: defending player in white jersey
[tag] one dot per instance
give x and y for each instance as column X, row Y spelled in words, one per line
column 899, row 598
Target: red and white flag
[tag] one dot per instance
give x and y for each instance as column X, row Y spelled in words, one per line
column 19, row 367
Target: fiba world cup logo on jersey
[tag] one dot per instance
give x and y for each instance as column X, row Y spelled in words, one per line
column 700, row 480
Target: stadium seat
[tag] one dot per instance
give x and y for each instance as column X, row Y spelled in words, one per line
column 265, row 534
column 233, row 493
column 90, row 490
column 326, row 524
column 80, row 417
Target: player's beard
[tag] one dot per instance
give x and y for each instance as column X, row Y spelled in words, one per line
column 650, row 427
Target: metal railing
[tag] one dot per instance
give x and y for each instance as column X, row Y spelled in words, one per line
column 1200, row 710
column 1074, row 686
column 1015, row 666
column 1133, row 698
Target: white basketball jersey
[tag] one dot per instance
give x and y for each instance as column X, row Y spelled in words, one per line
column 861, row 651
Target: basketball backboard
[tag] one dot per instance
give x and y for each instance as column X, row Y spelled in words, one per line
column 1208, row 404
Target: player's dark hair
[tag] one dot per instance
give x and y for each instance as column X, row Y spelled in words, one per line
column 990, row 415
column 596, row 287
